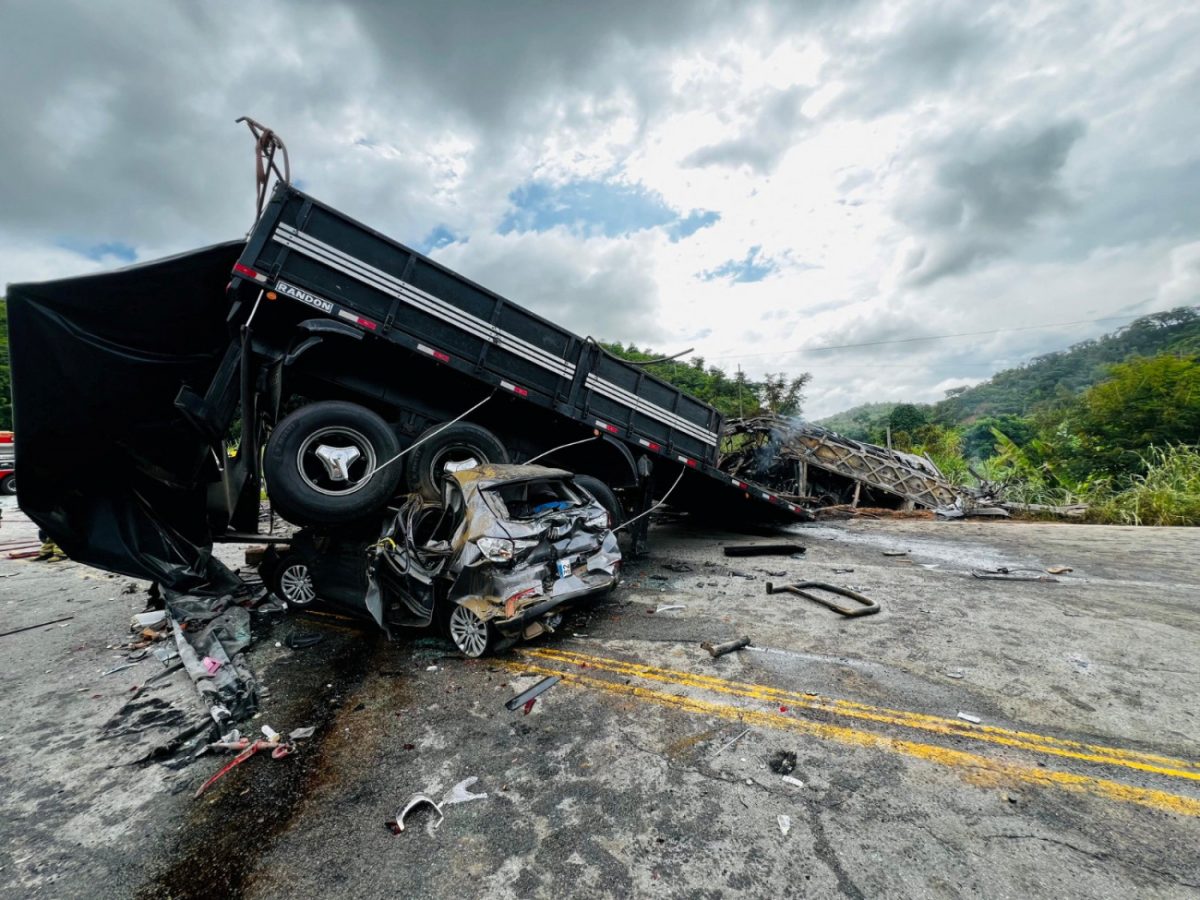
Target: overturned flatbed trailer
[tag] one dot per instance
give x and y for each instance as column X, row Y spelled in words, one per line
column 814, row 466
column 329, row 351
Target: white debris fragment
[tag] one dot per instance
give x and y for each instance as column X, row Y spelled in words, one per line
column 301, row 733
column 270, row 734
column 431, row 668
column 150, row 619
column 967, row 717
column 795, row 782
column 461, row 793
column 785, row 824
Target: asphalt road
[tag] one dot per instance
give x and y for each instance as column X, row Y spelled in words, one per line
column 648, row 770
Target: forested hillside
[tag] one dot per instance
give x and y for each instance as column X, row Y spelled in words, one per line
column 1053, row 378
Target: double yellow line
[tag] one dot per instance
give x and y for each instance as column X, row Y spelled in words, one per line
column 980, row 769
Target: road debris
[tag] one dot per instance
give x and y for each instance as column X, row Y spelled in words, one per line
column 247, row 749
column 785, row 824
column 667, row 608
column 397, row 824
column 39, row 625
column 1059, row 570
column 783, row 762
column 716, row 650
column 1004, row 575
column 954, row 673
column 731, row 742
column 148, row 619
column 303, row 640
column 677, row 567
column 527, row 696
column 968, row 717
column 868, row 607
column 764, row 549
column 461, row 793
column 794, row 782
column 118, row 669
column 895, row 553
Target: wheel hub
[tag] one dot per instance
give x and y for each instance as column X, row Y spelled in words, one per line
column 337, row 460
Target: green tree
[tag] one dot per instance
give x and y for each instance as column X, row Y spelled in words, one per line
column 1146, row 402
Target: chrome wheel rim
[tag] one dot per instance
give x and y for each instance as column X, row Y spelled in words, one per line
column 468, row 631
column 295, row 583
column 316, row 474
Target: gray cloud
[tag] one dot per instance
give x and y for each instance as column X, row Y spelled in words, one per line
column 934, row 48
column 768, row 135
column 969, row 196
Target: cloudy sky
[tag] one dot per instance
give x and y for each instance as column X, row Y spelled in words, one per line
column 757, row 181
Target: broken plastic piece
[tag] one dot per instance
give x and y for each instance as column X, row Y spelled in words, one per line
column 527, row 696
column 967, row 717
column 895, row 553
column 1059, row 570
column 795, row 782
column 300, row 734
column 669, row 607
column 716, row 650
column 210, row 665
column 461, row 793
column 303, row 641
column 271, row 734
column 397, row 824
column 150, row 619
column 763, row 549
column 785, row 824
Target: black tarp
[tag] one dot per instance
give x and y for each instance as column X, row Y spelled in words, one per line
column 109, row 467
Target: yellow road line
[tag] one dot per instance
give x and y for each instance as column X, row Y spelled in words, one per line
column 975, row 768
column 1024, row 740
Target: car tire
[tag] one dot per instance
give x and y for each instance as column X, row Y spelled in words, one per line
column 604, row 496
column 306, row 489
column 9, row 484
column 471, row 635
column 460, row 441
column 291, row 581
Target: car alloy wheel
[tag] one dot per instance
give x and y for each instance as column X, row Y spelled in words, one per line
column 469, row 632
column 295, row 584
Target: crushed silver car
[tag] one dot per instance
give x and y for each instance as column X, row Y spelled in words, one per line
column 497, row 560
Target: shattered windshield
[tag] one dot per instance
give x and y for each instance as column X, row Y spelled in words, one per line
column 533, row 499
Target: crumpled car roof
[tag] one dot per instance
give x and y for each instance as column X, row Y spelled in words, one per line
column 493, row 474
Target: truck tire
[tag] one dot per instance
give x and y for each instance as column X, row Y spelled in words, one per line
column 461, row 441
column 321, row 464
column 9, row 484
column 604, row 496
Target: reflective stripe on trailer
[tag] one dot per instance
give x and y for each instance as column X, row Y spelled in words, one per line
column 436, row 354
column 519, row 391
column 414, row 296
column 611, row 429
column 653, row 410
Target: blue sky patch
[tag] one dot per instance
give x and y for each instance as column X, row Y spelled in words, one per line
column 753, row 268
column 603, row 208
column 436, row 239
column 100, row 250
column 691, row 223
